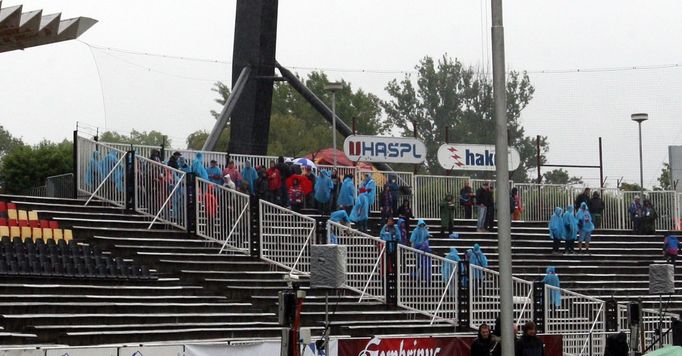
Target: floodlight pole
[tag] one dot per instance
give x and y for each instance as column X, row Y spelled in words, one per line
column 502, row 181
column 334, row 87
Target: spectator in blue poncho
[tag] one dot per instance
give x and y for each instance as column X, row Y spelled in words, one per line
column 93, row 172
column 556, row 229
column 570, row 229
column 215, row 174
column 402, row 225
column 108, row 163
column 390, row 232
column 420, row 241
column 346, row 199
column 182, row 165
column 369, row 186
column 198, row 166
column 339, row 217
column 395, row 193
column 449, row 266
column 585, row 227
column 552, row 279
column 249, row 174
column 323, row 191
column 360, row 213
column 476, row 257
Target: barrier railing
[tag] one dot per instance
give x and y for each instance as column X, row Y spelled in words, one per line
column 160, row 192
column 60, row 186
column 539, row 200
column 255, row 160
column 140, row 150
column 381, row 178
column 223, row 215
column 285, row 237
column 365, row 260
column 579, row 318
column 484, row 297
column 429, row 191
column 427, row 284
column 101, row 171
column 650, row 323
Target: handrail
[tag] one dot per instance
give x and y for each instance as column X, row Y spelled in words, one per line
column 177, row 185
column 445, row 292
column 582, row 350
column 376, row 265
column 105, row 179
column 523, row 310
column 236, row 223
column 300, row 254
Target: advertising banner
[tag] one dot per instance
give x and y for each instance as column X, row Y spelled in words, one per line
column 360, row 148
column 152, row 351
column 430, row 346
column 94, row 351
column 471, row 157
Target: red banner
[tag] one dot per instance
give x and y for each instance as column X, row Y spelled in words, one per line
column 428, row 346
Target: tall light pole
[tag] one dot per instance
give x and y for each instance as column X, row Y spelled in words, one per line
column 639, row 118
column 334, row 87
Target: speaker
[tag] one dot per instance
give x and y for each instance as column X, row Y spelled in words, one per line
column 661, row 279
column 286, row 308
column 327, row 266
column 634, row 313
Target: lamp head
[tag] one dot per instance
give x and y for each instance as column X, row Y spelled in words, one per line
column 639, row 117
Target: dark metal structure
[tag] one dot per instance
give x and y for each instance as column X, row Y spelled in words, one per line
column 21, row 30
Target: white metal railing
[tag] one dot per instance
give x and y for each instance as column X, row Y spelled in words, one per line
column 664, row 202
column 381, row 178
column 285, row 237
column 223, row 215
column 140, row 150
column 678, row 220
column 484, row 297
column 256, row 160
column 539, row 200
column 427, row 284
column 365, row 259
column 579, row 318
column 160, row 192
column 429, row 191
column 101, row 171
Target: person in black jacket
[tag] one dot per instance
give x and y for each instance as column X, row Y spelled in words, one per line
column 486, row 344
column 584, row 197
column 617, row 345
column 596, row 206
column 529, row 344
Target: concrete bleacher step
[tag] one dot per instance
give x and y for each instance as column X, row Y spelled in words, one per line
column 53, row 214
column 111, row 222
column 8, row 308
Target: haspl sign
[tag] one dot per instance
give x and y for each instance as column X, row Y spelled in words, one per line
column 471, row 157
column 384, row 149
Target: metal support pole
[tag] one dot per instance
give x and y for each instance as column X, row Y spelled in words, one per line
column 76, row 163
column 414, row 126
column 538, row 158
column 601, row 167
column 225, row 114
column 334, row 125
column 502, row 172
column 641, row 167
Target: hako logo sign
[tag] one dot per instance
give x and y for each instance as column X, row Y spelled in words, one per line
column 470, row 157
column 384, row 149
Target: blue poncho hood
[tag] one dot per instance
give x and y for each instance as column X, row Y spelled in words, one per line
column 346, row 193
column 453, row 254
column 477, row 257
column 250, row 175
column 370, row 186
column 556, row 224
column 198, row 166
column 570, row 224
column 360, row 210
column 420, row 234
column 324, row 186
column 551, row 277
column 339, row 216
column 586, row 218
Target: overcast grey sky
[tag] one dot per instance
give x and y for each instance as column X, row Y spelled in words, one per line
column 45, row 90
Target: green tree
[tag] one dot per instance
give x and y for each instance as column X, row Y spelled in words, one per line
column 629, row 187
column 665, row 179
column 8, row 142
column 560, row 176
column 152, row 138
column 447, row 94
column 27, row 166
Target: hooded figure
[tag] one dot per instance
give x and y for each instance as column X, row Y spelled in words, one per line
column 395, row 192
column 448, row 267
column 360, row 212
column 323, row 187
column 486, row 343
column 420, row 236
column 93, row 172
column 390, row 232
column 570, row 224
column 198, row 166
column 447, row 211
column 556, row 229
column 229, row 183
column 347, row 193
column 107, row 164
column 402, row 225
column 585, row 227
column 340, row 217
column 249, row 174
column 552, row 279
column 370, row 187
column 183, row 166
column 476, row 257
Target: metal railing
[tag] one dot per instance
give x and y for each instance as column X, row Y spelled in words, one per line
column 160, row 192
column 365, row 259
column 381, row 178
column 484, row 297
column 539, row 200
column 285, row 237
column 101, row 172
column 427, row 284
column 60, row 186
column 429, row 191
column 223, row 215
column 255, row 160
column 140, row 150
column 579, row 318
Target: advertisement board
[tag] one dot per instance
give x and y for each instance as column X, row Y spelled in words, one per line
column 152, row 351
column 473, row 157
column 360, row 148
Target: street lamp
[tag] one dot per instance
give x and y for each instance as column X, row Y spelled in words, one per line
column 334, row 87
column 639, row 118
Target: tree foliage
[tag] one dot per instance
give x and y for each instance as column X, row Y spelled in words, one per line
column 560, row 176
column 8, row 142
column 630, row 187
column 27, row 166
column 152, row 138
column 448, row 94
column 665, row 179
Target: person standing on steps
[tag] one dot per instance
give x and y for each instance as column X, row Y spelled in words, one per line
column 570, row 229
column 556, row 229
column 447, row 210
column 583, row 197
column 405, row 212
column 671, row 247
column 515, row 204
column 529, row 344
column 596, row 207
column 484, row 201
column 485, row 344
column 585, row 227
column 466, row 199
column 346, row 199
column 552, row 279
column 635, row 211
column 648, row 221
column 360, row 213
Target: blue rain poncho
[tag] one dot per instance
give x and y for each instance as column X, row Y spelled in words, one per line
column 390, row 233
column 340, row 217
column 360, row 210
column 93, row 172
column 323, row 187
column 570, row 224
column 183, row 166
column 346, row 193
column 198, row 166
column 585, row 217
column 420, row 235
column 478, row 258
column 556, row 225
column 552, row 279
column 449, row 266
column 249, row 174
column 107, row 165
column 215, row 175
column 393, row 187
column 370, row 187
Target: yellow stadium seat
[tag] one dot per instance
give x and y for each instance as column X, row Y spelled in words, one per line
column 4, row 231
column 12, row 214
column 14, row 231
column 68, row 234
column 47, row 233
column 32, row 216
column 25, row 232
column 37, row 233
column 23, row 216
column 58, row 234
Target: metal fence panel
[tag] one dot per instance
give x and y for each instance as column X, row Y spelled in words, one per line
column 223, row 215
column 160, row 192
column 60, row 186
column 140, row 150
column 579, row 318
column 664, row 202
column 286, row 237
column 427, row 284
column 365, row 260
column 101, row 171
column 539, row 200
column 484, row 297
column 429, row 191
column 256, row 160
column 381, row 178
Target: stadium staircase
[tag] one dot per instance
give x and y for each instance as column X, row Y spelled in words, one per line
column 159, row 284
